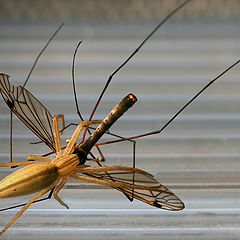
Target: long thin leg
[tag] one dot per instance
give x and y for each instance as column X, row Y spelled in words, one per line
column 71, row 145
column 177, row 113
column 10, row 132
column 36, row 201
column 39, row 158
column 86, row 170
column 38, row 56
column 130, row 198
column 39, row 194
column 62, row 124
column 16, row 164
column 57, row 189
column 118, row 69
column 56, row 134
column 134, row 52
column 123, row 138
column 61, row 131
column 108, row 183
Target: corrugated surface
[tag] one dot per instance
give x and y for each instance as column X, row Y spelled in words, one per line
column 197, row 156
column 107, row 10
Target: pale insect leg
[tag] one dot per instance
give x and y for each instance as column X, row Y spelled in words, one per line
column 87, row 169
column 102, row 159
column 71, row 145
column 39, row 158
column 62, row 129
column 114, row 135
column 56, row 132
column 118, row 69
column 107, row 183
column 35, row 197
column 57, row 189
column 62, row 123
column 141, row 44
column 16, row 164
column 20, row 205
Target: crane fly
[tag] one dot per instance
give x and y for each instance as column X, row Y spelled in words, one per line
column 43, row 174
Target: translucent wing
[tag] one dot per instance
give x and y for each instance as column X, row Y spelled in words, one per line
column 28, row 109
column 135, row 183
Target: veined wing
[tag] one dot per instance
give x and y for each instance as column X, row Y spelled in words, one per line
column 135, row 183
column 28, row 109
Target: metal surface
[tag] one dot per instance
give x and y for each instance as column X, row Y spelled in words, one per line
column 197, row 157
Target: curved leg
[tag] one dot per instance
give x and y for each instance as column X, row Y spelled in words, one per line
column 57, row 189
column 71, row 145
column 39, row 194
column 36, row 201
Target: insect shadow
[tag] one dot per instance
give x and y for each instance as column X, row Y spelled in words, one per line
column 42, row 174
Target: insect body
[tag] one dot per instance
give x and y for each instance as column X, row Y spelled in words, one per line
column 42, row 174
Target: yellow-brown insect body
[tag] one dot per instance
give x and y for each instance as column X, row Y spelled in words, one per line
column 42, row 174
column 66, row 164
column 35, row 177
column 29, row 179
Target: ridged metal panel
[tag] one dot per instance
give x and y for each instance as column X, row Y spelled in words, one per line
column 197, row 157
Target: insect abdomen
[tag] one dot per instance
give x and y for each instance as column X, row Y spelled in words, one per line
column 29, row 179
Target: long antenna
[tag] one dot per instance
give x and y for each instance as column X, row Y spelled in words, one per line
column 36, row 60
column 176, row 114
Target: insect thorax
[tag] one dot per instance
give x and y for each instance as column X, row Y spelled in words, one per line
column 66, row 164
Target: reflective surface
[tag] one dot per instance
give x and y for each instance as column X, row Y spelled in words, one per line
column 197, row 157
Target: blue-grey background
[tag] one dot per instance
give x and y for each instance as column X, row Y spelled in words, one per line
column 197, row 157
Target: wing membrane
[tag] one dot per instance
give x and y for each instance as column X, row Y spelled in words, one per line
column 28, row 109
column 135, row 183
